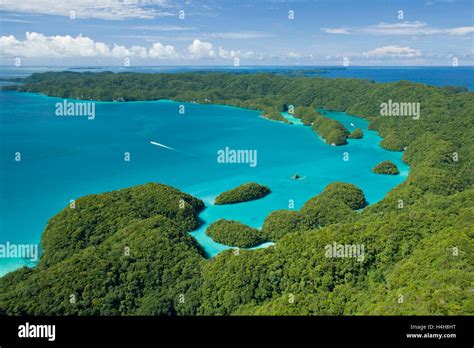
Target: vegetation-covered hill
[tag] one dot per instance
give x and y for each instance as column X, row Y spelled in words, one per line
column 348, row 194
column 356, row 134
column 282, row 222
column 386, row 167
column 94, row 218
column 296, row 278
column 335, row 204
column 243, row 193
column 118, row 253
column 333, row 132
column 234, row 233
column 274, row 114
column 417, row 243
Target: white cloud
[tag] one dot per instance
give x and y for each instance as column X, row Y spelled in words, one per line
column 15, row 20
column 336, row 30
column 201, row 49
column 189, row 33
column 393, row 51
column 461, row 30
column 436, row 2
column 249, row 54
column 37, row 45
column 206, row 51
column 120, row 51
column 155, row 38
column 139, row 51
column 295, row 55
column 103, row 9
column 161, row 51
column 225, row 54
column 402, row 28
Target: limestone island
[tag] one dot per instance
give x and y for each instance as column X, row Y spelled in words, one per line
column 243, row 193
column 234, row 233
column 386, row 167
column 356, row 134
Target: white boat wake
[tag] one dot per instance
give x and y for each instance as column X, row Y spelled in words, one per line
column 171, row 148
column 161, row 145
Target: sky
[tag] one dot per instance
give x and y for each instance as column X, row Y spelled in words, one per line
column 237, row 32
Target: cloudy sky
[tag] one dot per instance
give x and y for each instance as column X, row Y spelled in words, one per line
column 257, row 32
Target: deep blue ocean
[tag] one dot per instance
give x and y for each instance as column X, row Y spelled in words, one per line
column 63, row 158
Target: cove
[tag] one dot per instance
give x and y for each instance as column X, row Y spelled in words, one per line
column 64, row 158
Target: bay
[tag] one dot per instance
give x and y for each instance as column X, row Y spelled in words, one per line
column 63, row 158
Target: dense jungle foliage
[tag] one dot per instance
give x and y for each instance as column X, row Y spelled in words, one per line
column 234, row 233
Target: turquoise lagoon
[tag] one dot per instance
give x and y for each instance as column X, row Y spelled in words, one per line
column 64, row 158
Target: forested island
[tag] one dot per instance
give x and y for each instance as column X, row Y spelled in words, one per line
column 386, row 167
column 243, row 193
column 128, row 252
column 356, row 134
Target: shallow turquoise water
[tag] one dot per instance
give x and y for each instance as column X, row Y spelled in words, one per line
column 292, row 119
column 64, row 158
